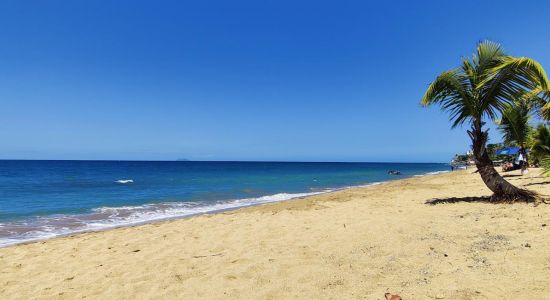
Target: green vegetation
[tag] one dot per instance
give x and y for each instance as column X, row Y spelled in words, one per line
column 492, row 150
column 545, row 164
column 540, row 144
column 481, row 90
column 462, row 158
column 514, row 125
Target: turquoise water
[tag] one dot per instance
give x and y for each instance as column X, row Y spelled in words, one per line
column 41, row 199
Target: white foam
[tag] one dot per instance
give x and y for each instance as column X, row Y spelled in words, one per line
column 124, row 181
column 111, row 217
column 432, row 173
column 437, row 172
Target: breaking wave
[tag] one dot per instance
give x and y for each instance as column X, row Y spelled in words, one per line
column 40, row 228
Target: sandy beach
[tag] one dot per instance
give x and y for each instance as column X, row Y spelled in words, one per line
column 352, row 244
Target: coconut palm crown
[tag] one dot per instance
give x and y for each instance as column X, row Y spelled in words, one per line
column 481, row 89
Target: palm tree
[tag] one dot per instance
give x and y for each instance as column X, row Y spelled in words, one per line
column 480, row 89
column 514, row 124
column 540, row 147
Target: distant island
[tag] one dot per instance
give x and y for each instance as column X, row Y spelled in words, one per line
column 183, row 159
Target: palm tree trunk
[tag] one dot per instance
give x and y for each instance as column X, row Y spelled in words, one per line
column 502, row 189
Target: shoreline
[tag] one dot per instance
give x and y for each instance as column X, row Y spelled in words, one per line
column 355, row 243
column 208, row 210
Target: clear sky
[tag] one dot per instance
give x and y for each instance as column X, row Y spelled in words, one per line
column 243, row 80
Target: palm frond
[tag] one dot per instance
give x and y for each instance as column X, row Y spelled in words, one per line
column 545, row 164
column 514, row 124
column 488, row 54
column 486, row 85
column 540, row 98
column 511, row 79
column 451, row 90
column 517, row 73
column 545, row 112
column 540, row 147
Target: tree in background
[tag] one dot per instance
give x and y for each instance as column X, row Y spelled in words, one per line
column 492, row 150
column 514, row 125
column 540, row 144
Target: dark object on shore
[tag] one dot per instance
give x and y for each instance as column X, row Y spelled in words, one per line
column 394, row 172
column 512, row 166
column 389, row 296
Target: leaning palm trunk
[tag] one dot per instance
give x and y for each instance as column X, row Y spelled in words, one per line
column 502, row 189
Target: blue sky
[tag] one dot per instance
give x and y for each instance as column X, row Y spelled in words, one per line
column 243, row 80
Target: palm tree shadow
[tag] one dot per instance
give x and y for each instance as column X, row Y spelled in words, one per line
column 537, row 183
column 484, row 199
column 511, row 175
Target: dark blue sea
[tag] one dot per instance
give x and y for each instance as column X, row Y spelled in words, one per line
column 42, row 199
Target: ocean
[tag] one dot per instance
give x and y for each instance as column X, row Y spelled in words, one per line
column 43, row 199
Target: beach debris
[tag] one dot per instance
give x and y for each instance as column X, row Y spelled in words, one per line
column 334, row 283
column 479, row 262
column 543, row 225
column 202, row 256
column 390, row 296
column 492, row 243
column 527, row 245
column 137, row 250
column 423, row 281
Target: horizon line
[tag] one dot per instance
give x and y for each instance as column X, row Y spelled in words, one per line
column 245, row 161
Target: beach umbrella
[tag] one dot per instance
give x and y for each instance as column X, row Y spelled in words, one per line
column 508, row 151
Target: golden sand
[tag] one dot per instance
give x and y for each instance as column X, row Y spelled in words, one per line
column 352, row 244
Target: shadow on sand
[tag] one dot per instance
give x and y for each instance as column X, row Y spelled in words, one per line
column 485, row 199
column 537, row 183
